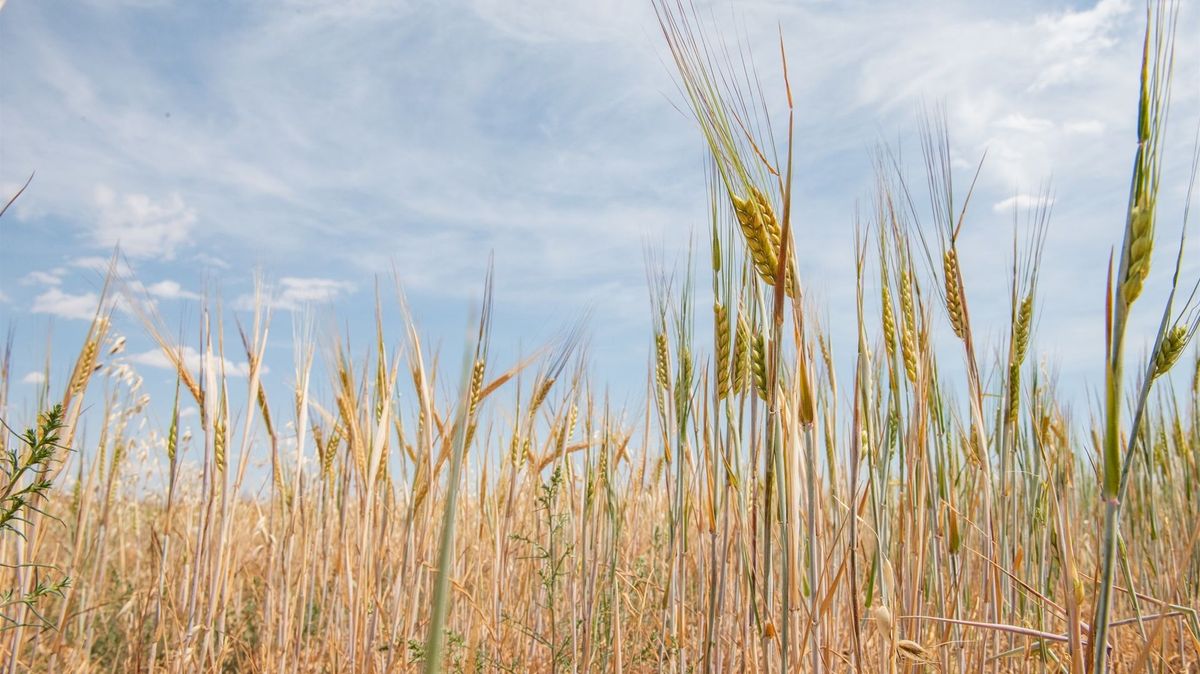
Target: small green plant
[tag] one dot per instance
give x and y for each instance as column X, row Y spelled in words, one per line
column 455, row 654
column 552, row 556
column 26, row 480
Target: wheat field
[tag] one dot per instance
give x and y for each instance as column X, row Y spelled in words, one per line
column 915, row 500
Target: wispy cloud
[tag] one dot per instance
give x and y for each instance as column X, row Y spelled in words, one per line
column 1074, row 39
column 141, row 226
column 1021, row 201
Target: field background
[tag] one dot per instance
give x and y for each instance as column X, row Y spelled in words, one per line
column 816, row 447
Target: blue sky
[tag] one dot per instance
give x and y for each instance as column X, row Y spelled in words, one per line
column 326, row 143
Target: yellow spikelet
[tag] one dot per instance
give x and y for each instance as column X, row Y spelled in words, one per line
column 219, row 437
column 740, row 367
column 514, row 448
column 721, row 349
column 572, row 419
column 335, row 439
column 760, row 227
column 476, row 387
column 602, row 467
column 750, row 219
column 775, row 240
column 539, row 396
column 889, row 319
column 954, row 303
column 908, row 327
column 84, row 367
column 758, row 364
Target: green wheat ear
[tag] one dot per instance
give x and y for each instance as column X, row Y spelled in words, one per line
column 1141, row 244
column 1172, row 348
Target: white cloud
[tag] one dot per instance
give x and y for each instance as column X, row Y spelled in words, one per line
column 1021, row 201
column 210, row 261
column 294, row 293
column 43, row 278
column 192, row 359
column 1020, row 122
column 141, row 226
column 65, row 305
column 171, row 290
column 34, row 377
column 1086, row 127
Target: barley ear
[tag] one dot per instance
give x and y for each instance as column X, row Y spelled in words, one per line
column 954, row 304
column 908, row 326
column 1141, row 243
column 774, row 241
column 1021, row 330
column 1014, row 388
column 758, row 365
column 539, row 395
column 1172, row 347
column 220, row 433
column 740, row 367
column 722, row 355
column 888, row 319
column 477, row 372
column 760, row 227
